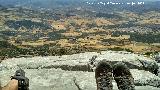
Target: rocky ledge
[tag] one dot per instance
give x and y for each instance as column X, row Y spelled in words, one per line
column 76, row 72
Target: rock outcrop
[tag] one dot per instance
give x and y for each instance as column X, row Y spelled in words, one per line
column 76, row 72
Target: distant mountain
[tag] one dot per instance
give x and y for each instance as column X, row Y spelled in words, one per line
column 51, row 3
column 149, row 4
column 38, row 3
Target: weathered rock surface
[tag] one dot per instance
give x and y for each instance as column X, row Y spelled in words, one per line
column 56, row 79
column 80, row 61
column 70, row 72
